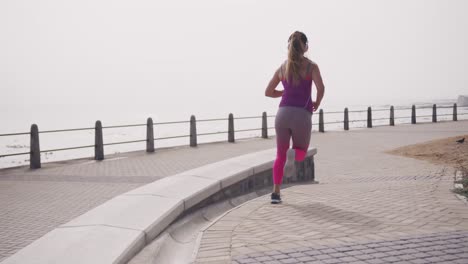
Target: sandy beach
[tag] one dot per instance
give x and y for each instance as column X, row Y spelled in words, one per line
column 442, row 152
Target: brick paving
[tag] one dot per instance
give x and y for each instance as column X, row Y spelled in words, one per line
column 31, row 209
column 370, row 207
column 445, row 247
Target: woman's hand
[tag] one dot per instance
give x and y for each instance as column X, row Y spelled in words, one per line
column 315, row 106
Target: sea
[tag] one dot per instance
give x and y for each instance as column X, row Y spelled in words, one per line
column 173, row 130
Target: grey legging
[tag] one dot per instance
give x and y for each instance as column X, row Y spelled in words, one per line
column 295, row 123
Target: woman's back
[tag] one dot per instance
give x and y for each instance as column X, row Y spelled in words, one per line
column 297, row 93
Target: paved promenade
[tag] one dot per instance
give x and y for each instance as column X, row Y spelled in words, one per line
column 370, row 207
column 34, row 202
column 365, row 197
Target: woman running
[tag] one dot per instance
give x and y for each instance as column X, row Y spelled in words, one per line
column 294, row 117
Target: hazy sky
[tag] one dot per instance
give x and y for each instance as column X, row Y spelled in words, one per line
column 217, row 56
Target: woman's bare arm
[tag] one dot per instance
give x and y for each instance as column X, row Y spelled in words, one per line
column 271, row 88
column 317, row 78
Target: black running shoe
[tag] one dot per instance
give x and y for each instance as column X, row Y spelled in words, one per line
column 275, row 198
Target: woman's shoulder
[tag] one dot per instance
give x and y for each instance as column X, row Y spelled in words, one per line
column 312, row 63
column 313, row 66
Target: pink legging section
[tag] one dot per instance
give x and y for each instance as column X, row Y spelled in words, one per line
column 278, row 166
column 295, row 123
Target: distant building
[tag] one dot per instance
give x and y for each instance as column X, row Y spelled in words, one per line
column 462, row 100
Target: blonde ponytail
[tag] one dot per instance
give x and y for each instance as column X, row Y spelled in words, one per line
column 297, row 42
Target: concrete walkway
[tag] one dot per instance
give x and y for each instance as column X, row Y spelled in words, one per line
column 370, row 207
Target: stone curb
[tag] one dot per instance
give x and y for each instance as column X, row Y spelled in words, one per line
column 118, row 229
column 458, row 176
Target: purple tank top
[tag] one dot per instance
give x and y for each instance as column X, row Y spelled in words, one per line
column 297, row 95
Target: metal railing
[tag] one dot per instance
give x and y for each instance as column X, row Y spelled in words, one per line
column 35, row 151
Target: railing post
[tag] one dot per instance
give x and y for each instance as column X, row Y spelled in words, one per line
column 264, row 125
column 231, row 129
column 413, row 114
column 434, row 113
column 321, row 123
column 369, row 117
column 346, row 119
column 193, row 131
column 35, row 151
column 149, row 135
column 98, row 142
column 455, row 118
column 392, row 116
